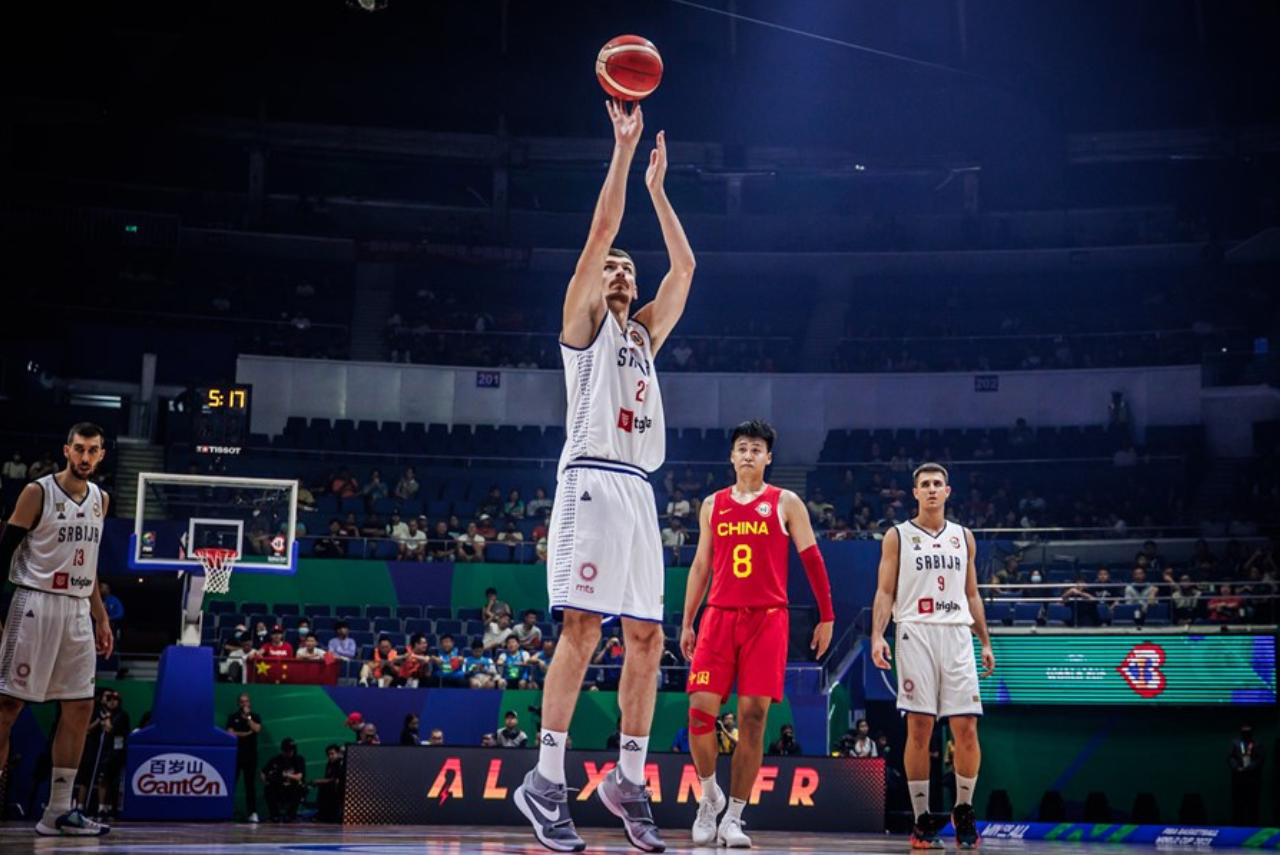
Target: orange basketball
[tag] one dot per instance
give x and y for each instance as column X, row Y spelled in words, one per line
column 629, row 68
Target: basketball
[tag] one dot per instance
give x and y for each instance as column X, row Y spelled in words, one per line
column 629, row 68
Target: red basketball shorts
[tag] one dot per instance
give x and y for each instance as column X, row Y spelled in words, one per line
column 748, row 645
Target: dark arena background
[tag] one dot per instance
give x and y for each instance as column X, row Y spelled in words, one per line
column 322, row 241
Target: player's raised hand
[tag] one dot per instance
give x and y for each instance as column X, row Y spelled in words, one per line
column 657, row 171
column 880, row 654
column 688, row 639
column 627, row 124
column 822, row 637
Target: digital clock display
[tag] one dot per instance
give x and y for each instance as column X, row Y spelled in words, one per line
column 220, row 418
column 223, row 398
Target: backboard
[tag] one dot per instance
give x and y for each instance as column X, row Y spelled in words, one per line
column 179, row 514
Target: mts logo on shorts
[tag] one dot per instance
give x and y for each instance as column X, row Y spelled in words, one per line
column 628, row 422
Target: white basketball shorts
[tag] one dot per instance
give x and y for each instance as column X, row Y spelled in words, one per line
column 604, row 550
column 937, row 672
column 47, row 650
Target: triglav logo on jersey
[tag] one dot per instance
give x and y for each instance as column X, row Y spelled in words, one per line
column 764, row 509
column 627, row 421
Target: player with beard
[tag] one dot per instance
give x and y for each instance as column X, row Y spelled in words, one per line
column 57, row 623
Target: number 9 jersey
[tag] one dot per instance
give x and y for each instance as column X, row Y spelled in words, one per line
column 748, row 552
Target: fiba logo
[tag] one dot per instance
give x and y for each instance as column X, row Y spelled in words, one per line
column 588, row 573
column 764, row 509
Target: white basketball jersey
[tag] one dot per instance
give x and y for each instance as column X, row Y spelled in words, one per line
column 60, row 554
column 615, row 405
column 931, row 575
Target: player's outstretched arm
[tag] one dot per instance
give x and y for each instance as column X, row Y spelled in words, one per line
column 660, row 316
column 699, row 579
column 796, row 516
column 584, row 304
column 886, row 591
column 976, row 608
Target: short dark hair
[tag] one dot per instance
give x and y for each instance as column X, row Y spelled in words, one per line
column 447, row 635
column 755, row 429
column 342, row 624
column 417, row 637
column 929, row 466
column 511, row 714
column 488, row 591
column 618, row 252
column 88, row 430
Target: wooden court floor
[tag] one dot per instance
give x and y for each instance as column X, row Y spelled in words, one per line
column 179, row 838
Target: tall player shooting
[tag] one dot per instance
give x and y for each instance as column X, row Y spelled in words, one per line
column 929, row 585
column 48, row 646
column 604, row 549
column 742, row 552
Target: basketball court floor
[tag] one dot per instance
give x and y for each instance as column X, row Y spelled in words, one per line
column 178, row 838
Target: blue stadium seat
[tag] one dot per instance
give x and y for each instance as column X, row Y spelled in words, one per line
column 349, row 611
column 438, row 612
column 249, row 608
column 409, row 611
column 1059, row 613
column 1123, row 614
column 283, row 609
column 389, row 625
column 317, row 609
column 468, row 613
column 1026, row 614
column 323, row 624
column 221, row 607
column 449, row 626
column 377, row 611
column 414, row 626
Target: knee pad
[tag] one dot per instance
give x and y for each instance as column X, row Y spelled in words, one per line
column 701, row 723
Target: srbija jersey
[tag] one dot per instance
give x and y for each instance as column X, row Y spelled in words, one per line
column 748, row 551
column 615, row 406
column 931, row 575
column 60, row 554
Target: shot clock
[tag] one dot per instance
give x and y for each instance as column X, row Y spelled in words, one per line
column 220, row 418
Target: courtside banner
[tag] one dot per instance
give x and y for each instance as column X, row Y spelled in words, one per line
column 410, row 785
column 1161, row 836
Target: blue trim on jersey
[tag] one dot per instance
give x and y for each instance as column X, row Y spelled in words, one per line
column 593, row 338
column 558, row 608
column 912, row 523
column 606, row 466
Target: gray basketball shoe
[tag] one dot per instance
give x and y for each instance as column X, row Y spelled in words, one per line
column 631, row 802
column 546, row 806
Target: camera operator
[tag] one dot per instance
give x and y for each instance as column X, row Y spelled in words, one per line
column 858, row 742
column 786, row 745
column 727, row 733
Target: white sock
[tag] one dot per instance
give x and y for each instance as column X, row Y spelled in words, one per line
column 551, row 755
column 964, row 789
column 735, row 808
column 632, row 751
column 709, row 787
column 60, row 791
column 919, row 791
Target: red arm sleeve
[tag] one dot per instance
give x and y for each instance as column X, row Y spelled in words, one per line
column 816, row 569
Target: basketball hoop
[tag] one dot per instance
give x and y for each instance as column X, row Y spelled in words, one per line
column 218, row 562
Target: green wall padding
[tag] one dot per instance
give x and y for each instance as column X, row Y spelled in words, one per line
column 522, row 586
column 319, row 580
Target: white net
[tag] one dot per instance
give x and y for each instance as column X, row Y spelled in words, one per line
column 218, row 564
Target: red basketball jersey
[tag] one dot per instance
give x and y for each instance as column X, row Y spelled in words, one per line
column 748, row 551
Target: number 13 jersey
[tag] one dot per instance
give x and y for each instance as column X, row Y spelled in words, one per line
column 931, row 575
